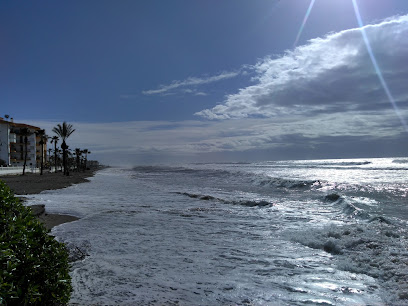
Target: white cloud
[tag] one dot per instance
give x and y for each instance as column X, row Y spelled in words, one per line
column 110, row 142
column 325, row 94
column 128, row 97
column 330, row 74
column 192, row 81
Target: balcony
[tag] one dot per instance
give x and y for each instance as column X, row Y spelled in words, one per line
column 19, row 142
column 17, row 156
column 12, row 138
column 18, row 160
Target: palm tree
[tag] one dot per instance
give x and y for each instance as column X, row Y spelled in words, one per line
column 78, row 154
column 64, row 131
column 49, row 157
column 43, row 140
column 70, row 160
column 25, row 132
column 55, row 141
column 59, row 158
column 86, row 151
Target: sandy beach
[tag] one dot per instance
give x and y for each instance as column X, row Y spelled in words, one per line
column 35, row 183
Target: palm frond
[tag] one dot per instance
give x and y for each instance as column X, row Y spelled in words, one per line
column 64, row 130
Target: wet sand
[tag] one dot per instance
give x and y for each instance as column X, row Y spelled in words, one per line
column 33, row 183
column 50, row 220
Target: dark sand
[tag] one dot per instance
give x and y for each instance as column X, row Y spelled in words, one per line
column 50, row 220
column 35, row 183
column 32, row 183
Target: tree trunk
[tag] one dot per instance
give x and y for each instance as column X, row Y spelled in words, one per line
column 42, row 156
column 64, row 156
column 55, row 156
column 25, row 154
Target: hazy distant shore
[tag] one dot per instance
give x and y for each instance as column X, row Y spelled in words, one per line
column 35, row 183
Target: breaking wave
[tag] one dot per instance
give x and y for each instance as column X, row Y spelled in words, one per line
column 362, row 163
column 180, row 170
column 248, row 203
column 400, row 161
column 283, row 183
column 377, row 248
column 348, row 207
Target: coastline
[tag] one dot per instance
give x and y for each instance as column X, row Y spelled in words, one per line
column 35, row 183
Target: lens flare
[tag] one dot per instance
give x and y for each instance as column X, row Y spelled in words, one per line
column 376, row 67
column 304, row 22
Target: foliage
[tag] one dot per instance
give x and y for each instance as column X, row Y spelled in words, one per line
column 64, row 130
column 34, row 267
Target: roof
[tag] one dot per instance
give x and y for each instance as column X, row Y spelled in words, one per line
column 19, row 125
column 24, row 125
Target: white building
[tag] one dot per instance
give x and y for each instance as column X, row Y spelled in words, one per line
column 12, row 145
column 5, row 142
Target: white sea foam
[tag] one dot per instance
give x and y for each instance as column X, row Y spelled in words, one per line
column 376, row 248
column 288, row 233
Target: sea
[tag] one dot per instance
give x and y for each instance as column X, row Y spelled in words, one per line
column 300, row 232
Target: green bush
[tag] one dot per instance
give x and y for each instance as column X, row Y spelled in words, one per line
column 34, row 267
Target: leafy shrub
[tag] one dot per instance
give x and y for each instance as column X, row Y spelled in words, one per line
column 34, row 267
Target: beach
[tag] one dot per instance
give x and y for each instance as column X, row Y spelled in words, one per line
column 34, row 183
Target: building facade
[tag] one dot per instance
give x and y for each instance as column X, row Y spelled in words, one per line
column 12, row 144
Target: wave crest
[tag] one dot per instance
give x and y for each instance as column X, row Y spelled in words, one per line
column 376, row 248
column 284, row 183
column 248, row 203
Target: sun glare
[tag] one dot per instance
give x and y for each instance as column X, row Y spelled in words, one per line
column 377, row 68
column 370, row 52
column 304, row 22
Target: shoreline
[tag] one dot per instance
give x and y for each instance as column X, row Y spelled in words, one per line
column 32, row 183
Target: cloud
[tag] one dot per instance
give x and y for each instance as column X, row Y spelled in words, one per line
column 333, row 74
column 321, row 100
column 143, row 141
column 192, row 81
column 128, row 97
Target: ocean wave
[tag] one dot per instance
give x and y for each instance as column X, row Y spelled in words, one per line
column 376, row 248
column 248, row 203
column 154, row 169
column 168, row 170
column 199, row 196
column 332, row 197
column 353, row 211
column 348, row 207
column 400, row 161
column 283, row 183
column 223, row 163
column 325, row 164
column 380, row 219
column 362, row 163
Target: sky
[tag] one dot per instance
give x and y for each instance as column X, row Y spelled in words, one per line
column 234, row 80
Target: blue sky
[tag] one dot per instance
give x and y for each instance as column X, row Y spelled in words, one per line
column 152, row 81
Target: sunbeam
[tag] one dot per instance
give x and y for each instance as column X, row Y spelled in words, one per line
column 377, row 68
column 304, row 22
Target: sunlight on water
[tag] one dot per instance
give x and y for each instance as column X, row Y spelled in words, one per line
column 286, row 232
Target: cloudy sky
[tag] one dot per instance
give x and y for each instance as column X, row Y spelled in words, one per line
column 233, row 80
